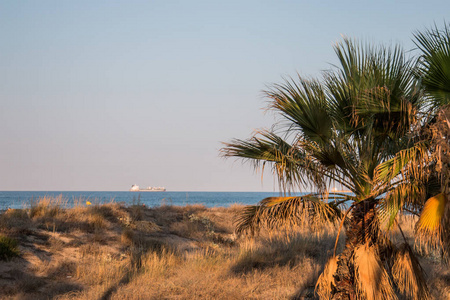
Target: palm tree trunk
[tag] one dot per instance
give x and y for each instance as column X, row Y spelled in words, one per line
column 363, row 228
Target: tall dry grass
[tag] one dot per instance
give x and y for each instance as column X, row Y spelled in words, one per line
column 115, row 252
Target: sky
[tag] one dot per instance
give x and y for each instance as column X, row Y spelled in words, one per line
column 100, row 95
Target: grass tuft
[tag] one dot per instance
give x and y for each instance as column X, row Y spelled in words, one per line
column 8, row 248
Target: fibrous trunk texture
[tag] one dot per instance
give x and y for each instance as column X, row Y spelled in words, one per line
column 362, row 229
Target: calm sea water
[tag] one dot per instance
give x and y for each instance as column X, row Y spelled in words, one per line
column 209, row 199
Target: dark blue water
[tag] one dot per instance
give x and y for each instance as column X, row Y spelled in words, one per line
column 209, row 199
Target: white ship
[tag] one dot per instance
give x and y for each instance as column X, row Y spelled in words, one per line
column 335, row 190
column 135, row 188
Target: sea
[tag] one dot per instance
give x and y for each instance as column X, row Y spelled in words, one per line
column 24, row 199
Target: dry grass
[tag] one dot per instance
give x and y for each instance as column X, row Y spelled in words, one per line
column 115, row 252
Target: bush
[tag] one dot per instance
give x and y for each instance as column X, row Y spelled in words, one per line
column 16, row 219
column 8, row 248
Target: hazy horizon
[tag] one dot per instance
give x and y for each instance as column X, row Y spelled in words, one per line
column 100, row 95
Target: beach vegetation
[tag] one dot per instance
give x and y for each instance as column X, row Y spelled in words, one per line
column 8, row 248
column 171, row 252
column 363, row 126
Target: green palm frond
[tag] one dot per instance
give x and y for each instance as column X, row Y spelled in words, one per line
column 409, row 158
column 407, row 196
column 304, row 105
column 384, row 99
column 267, row 147
column 276, row 212
column 389, row 209
column 434, row 64
column 389, row 117
column 289, row 163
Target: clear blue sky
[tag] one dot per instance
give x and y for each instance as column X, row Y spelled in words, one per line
column 99, row 95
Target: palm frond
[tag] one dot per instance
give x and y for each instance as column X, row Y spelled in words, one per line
column 433, row 227
column 304, row 105
column 434, row 65
column 408, row 275
column 289, row 163
column 412, row 157
column 250, row 220
column 372, row 279
column 406, row 196
column 326, row 281
column 432, row 214
column 272, row 212
column 387, row 99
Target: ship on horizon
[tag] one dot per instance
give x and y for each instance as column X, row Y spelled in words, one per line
column 335, row 190
column 135, row 188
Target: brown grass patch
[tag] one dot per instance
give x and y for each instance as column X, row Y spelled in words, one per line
column 191, row 252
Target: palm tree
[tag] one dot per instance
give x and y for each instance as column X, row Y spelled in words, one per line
column 434, row 73
column 354, row 127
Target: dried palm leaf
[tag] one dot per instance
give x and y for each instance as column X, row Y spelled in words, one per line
column 432, row 214
column 408, row 275
column 433, row 227
column 326, row 280
column 308, row 210
column 372, row 279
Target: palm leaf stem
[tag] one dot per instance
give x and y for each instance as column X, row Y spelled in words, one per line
column 411, row 212
column 335, row 196
column 340, row 180
column 345, row 196
column 389, row 188
column 390, row 185
column 342, row 202
column 401, row 231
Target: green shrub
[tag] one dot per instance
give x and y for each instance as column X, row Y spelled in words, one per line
column 8, row 248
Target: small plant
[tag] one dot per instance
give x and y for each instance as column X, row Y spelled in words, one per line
column 8, row 248
column 136, row 209
column 127, row 237
column 193, row 218
column 47, row 207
